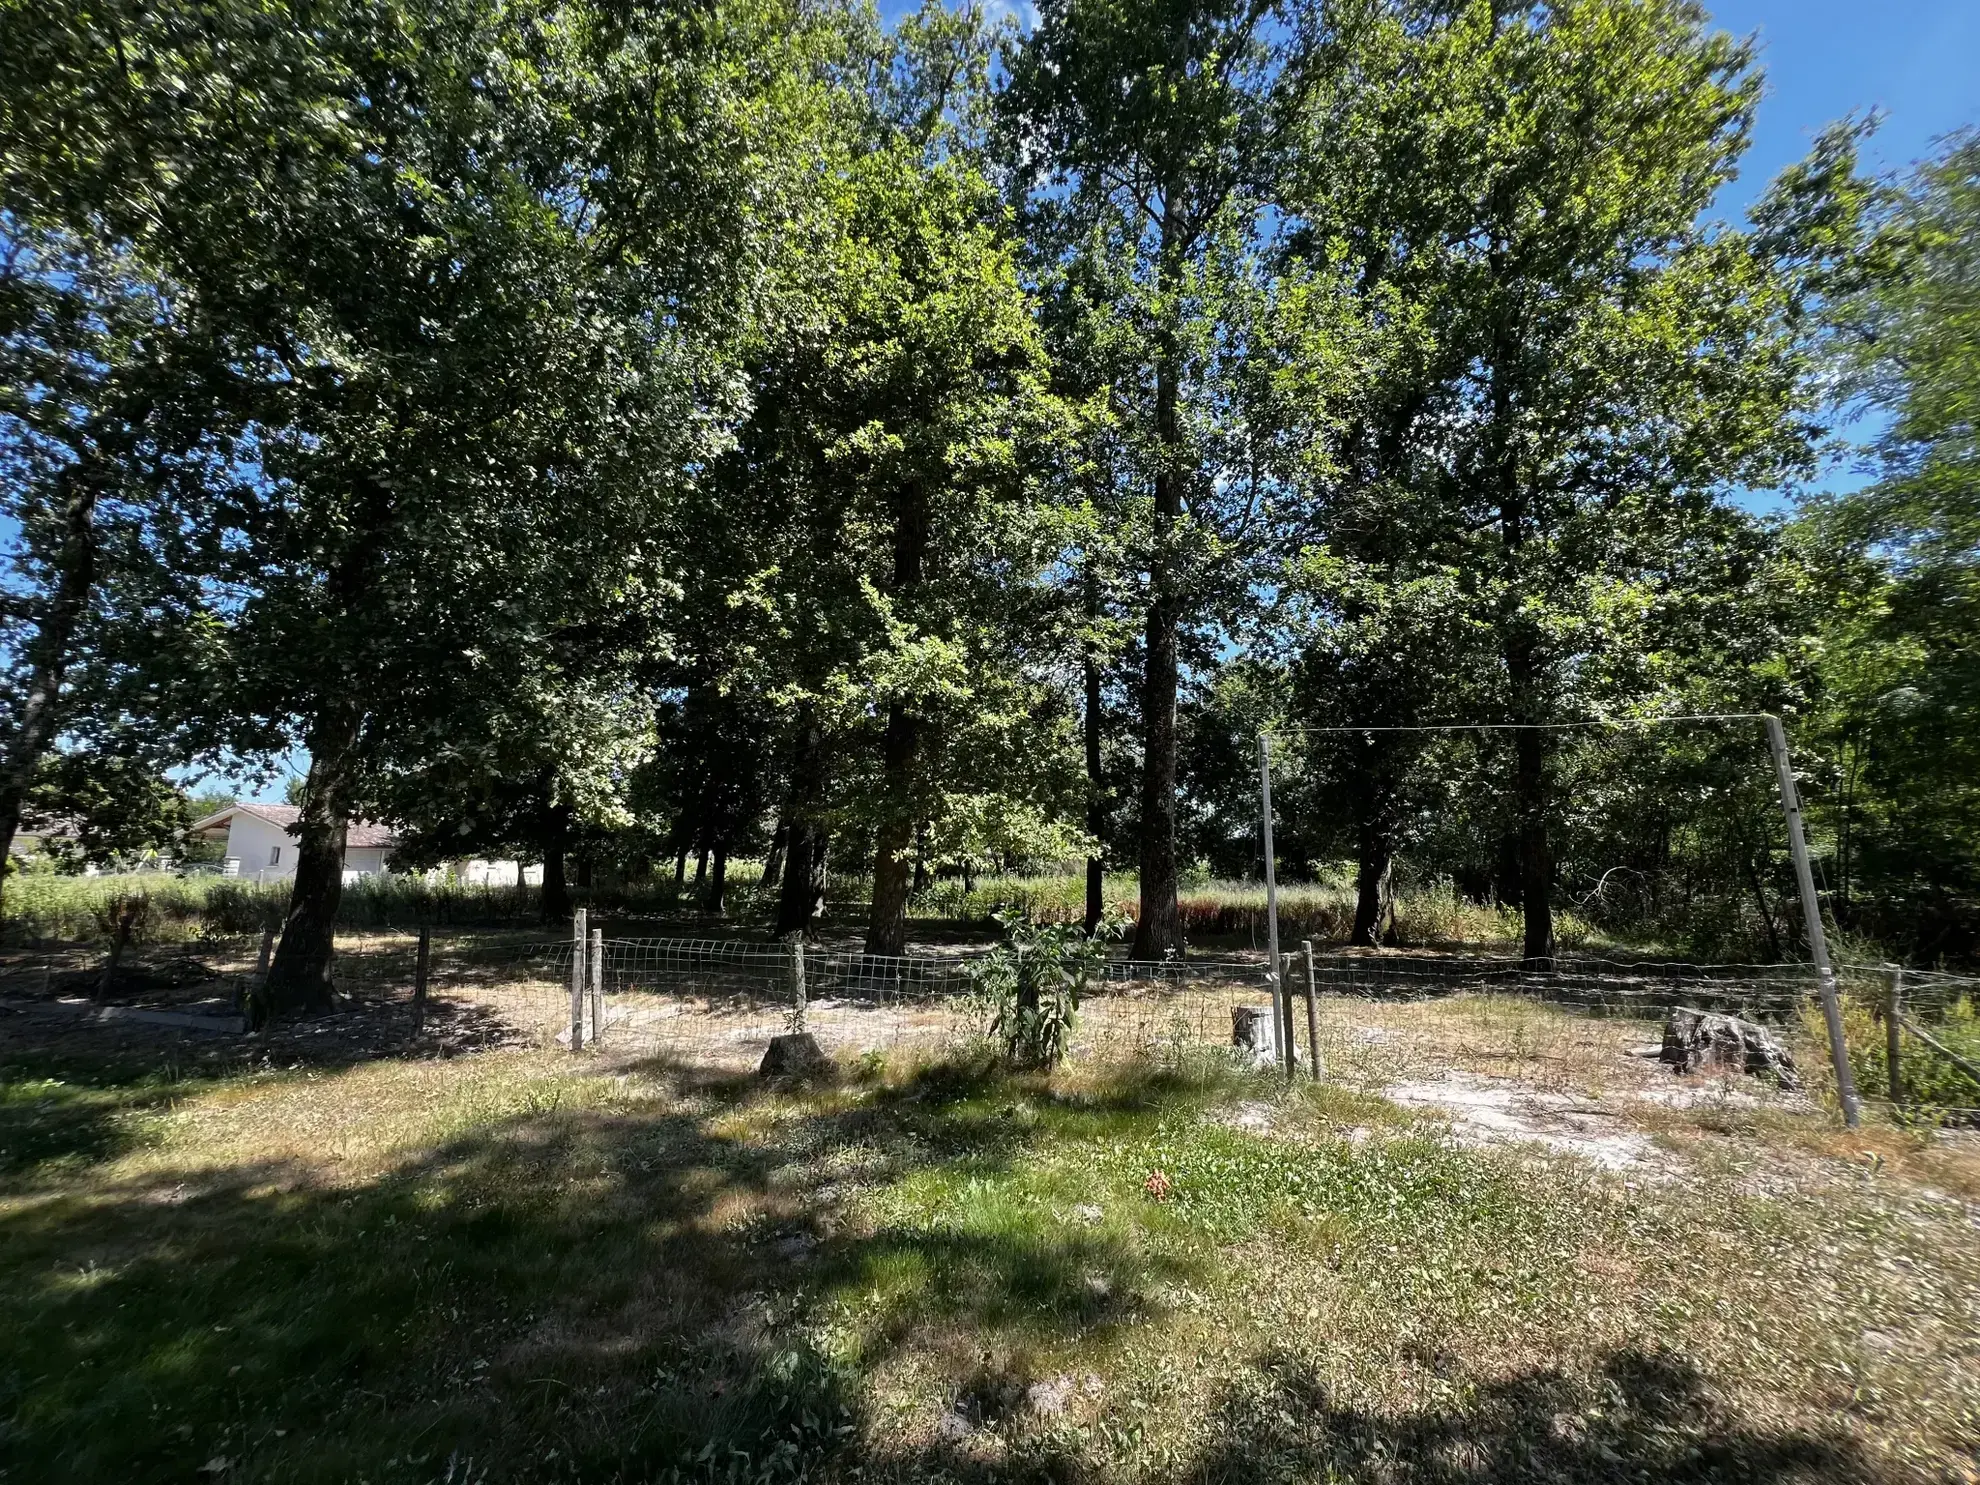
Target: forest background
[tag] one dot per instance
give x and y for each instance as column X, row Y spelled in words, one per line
column 637, row 439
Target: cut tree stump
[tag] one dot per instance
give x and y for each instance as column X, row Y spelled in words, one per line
column 1251, row 1033
column 1709, row 1041
column 794, row 1054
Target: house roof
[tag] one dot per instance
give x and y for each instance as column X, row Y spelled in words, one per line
column 362, row 834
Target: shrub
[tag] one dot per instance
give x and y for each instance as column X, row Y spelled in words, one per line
column 1031, row 986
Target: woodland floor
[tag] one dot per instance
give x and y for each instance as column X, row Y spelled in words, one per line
column 1495, row 1246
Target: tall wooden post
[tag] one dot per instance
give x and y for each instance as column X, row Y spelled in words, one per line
column 1281, row 1021
column 596, row 974
column 1312, row 1011
column 578, row 946
column 1894, row 1033
column 797, row 983
column 420, row 964
column 1811, row 913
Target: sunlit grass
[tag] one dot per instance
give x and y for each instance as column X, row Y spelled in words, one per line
column 522, row 1265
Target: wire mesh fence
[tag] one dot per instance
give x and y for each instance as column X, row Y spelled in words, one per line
column 1379, row 1020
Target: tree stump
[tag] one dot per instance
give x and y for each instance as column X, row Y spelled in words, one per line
column 1709, row 1041
column 1251, row 1034
column 796, row 1054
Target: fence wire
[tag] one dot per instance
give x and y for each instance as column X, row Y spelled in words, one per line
column 1382, row 1019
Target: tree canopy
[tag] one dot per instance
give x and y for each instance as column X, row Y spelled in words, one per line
column 613, row 436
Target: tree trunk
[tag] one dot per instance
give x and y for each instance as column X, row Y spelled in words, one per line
column 1158, row 931
column 1505, row 871
column 700, row 865
column 48, row 653
column 555, row 898
column 773, row 864
column 715, row 898
column 1374, row 901
column 300, row 978
column 1096, row 799
column 920, row 857
column 1536, row 861
column 680, row 869
column 802, row 894
column 886, row 927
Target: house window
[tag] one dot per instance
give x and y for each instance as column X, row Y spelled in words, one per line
column 274, row 855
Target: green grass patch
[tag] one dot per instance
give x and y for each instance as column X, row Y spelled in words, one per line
column 521, row 1266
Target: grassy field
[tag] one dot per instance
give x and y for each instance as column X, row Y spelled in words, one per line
column 42, row 906
column 522, row 1266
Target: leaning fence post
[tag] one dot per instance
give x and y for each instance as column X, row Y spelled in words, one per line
column 1811, row 911
column 577, row 980
column 1894, row 1033
column 1312, row 1011
column 596, row 968
column 797, row 984
column 419, row 980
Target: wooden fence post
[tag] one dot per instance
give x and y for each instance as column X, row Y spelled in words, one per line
column 1312, row 1011
column 577, row 980
column 419, row 981
column 596, row 967
column 797, row 983
column 1894, row 1034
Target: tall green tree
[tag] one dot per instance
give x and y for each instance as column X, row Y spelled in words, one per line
column 1144, row 143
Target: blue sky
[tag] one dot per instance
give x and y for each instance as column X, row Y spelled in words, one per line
column 1917, row 62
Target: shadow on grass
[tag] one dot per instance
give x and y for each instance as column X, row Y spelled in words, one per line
column 566, row 1294
column 1641, row 1415
column 631, row 1295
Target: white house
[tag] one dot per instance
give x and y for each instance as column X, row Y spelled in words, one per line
column 261, row 844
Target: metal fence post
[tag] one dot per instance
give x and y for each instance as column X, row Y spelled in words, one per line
column 577, row 980
column 596, row 968
column 420, row 965
column 797, row 983
column 1312, row 1011
column 1894, row 1034
column 1811, row 912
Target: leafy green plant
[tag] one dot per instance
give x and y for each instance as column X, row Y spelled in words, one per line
column 1030, row 986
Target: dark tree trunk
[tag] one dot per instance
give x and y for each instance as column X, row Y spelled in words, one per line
column 700, row 865
column 300, row 980
column 1536, row 860
column 1096, row 784
column 714, row 899
column 1505, row 871
column 920, row 857
column 1374, row 897
column 584, row 871
column 556, row 895
column 680, row 868
column 1158, row 931
column 48, row 653
column 886, row 927
column 801, row 897
column 773, row 864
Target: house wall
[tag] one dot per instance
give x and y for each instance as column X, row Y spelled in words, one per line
column 255, row 844
column 364, row 861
